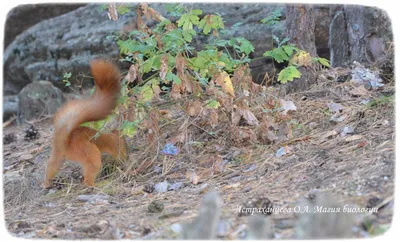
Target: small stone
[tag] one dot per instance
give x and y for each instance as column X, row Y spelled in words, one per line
column 373, row 202
column 155, row 207
column 149, row 188
column 146, row 230
column 92, row 198
column 162, row 187
column 175, row 186
column 176, row 228
column 203, row 188
column 23, row 225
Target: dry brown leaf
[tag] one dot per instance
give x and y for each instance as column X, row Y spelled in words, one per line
column 353, row 137
column 144, row 7
column 155, row 15
column 329, row 135
column 359, row 91
column 164, row 67
column 241, row 134
column 132, row 73
column 234, row 185
column 287, row 106
column 194, row 178
column 159, row 42
column 213, row 118
column 156, row 92
column 175, row 91
column 243, row 111
column 112, row 11
column 194, row 108
column 249, row 117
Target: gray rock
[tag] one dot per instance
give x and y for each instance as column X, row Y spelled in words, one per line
column 10, row 106
column 38, row 99
column 68, row 42
column 62, row 44
column 24, row 16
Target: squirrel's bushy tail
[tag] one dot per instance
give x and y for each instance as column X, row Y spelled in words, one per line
column 97, row 107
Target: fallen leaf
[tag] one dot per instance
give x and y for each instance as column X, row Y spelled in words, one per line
column 359, row 91
column 335, row 107
column 213, row 118
column 224, row 81
column 234, row 185
column 287, row 106
column 353, row 137
column 132, row 73
column 164, row 67
column 194, row 108
column 112, row 11
column 194, row 178
column 329, row 135
column 249, row 117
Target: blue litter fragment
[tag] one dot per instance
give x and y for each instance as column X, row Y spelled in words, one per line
column 169, row 149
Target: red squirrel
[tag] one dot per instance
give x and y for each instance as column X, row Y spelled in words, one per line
column 77, row 143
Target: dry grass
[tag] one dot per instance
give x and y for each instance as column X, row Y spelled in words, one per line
column 355, row 170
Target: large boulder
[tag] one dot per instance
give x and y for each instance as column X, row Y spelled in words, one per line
column 68, row 42
column 24, row 16
column 62, row 44
column 10, row 106
column 39, row 99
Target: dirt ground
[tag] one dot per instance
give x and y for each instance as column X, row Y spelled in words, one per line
column 357, row 167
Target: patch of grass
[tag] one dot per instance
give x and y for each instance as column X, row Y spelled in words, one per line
column 381, row 101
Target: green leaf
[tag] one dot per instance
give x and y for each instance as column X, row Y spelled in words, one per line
column 289, row 49
column 125, row 46
column 148, row 64
column 324, row 62
column 288, row 74
column 147, row 93
column 123, row 9
column 129, row 128
column 188, row 34
column 276, row 38
column 196, row 12
column 210, row 22
column 67, row 75
column 278, row 54
column 174, row 78
column 92, row 91
column 176, row 9
column 189, row 19
column 273, row 18
column 214, row 104
column 284, row 41
column 245, row 46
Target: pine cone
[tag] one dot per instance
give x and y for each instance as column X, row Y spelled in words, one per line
column 9, row 138
column 31, row 133
column 256, row 205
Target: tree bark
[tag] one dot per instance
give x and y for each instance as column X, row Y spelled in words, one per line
column 300, row 27
column 358, row 33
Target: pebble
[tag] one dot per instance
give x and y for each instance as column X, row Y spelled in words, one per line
column 176, row 228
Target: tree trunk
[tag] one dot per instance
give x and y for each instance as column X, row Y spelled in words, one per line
column 358, row 33
column 300, row 27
